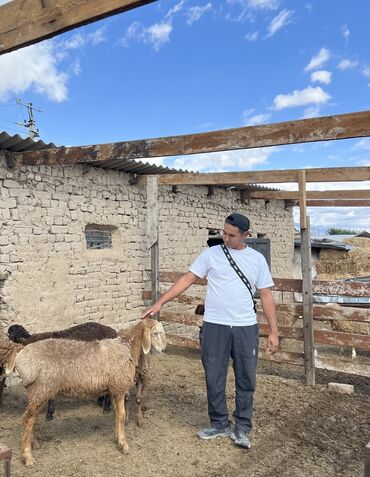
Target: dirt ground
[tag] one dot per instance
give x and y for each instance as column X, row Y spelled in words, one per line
column 299, row 431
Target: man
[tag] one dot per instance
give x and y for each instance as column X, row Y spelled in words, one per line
column 230, row 327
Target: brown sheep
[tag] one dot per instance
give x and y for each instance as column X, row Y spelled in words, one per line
column 79, row 369
column 89, row 331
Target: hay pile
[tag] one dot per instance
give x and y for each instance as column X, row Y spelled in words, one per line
column 337, row 264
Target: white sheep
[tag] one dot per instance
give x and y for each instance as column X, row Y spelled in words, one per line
column 80, row 369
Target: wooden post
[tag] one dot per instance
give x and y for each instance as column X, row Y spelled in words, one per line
column 367, row 461
column 308, row 331
column 5, row 455
column 152, row 234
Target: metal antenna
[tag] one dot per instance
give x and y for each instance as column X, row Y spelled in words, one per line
column 30, row 124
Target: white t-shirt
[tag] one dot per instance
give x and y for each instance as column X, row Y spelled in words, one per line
column 228, row 301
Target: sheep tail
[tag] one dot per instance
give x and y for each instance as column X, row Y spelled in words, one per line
column 8, row 353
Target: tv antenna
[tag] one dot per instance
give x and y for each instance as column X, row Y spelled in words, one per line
column 33, row 131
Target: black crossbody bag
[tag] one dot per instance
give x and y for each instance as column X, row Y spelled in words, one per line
column 241, row 275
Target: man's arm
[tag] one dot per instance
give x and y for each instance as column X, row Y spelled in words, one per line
column 182, row 284
column 268, row 306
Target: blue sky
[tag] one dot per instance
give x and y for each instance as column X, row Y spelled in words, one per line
column 178, row 67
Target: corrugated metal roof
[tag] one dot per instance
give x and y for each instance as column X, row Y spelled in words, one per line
column 18, row 144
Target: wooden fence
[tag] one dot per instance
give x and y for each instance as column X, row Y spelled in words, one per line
column 290, row 314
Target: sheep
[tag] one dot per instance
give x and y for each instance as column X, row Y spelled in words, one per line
column 85, row 332
column 142, row 378
column 79, row 369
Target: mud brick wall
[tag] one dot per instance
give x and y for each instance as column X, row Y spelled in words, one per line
column 51, row 280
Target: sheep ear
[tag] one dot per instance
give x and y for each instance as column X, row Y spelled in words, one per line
column 147, row 341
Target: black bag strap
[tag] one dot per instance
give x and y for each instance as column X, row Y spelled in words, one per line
column 241, row 275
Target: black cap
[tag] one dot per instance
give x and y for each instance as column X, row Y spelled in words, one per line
column 238, row 220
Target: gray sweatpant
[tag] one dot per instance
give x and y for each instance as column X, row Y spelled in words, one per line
column 218, row 344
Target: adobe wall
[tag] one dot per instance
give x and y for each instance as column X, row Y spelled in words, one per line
column 51, row 280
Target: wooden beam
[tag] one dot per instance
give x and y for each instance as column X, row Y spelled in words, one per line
column 152, row 235
column 307, row 299
column 343, row 365
column 295, row 285
column 302, row 199
column 331, row 174
column 325, row 128
column 338, row 203
column 340, row 338
column 286, row 357
column 24, row 22
column 327, row 194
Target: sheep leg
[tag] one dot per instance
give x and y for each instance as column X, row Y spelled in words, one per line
column 107, row 403
column 139, row 410
column 50, row 410
column 2, row 384
column 127, row 397
column 119, row 406
column 29, row 419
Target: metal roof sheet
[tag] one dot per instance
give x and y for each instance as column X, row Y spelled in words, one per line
column 18, row 144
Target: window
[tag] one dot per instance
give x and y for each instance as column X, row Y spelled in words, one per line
column 99, row 237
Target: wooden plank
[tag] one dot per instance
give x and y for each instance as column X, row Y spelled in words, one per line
column 292, row 195
column 284, row 332
column 295, row 285
column 340, row 338
column 284, row 357
column 182, row 341
column 343, row 365
column 278, row 357
column 181, row 318
column 308, row 331
column 152, row 235
column 24, row 22
column 338, row 203
column 341, row 288
column 332, row 174
column 291, row 132
column 302, row 199
column 172, row 277
column 339, row 313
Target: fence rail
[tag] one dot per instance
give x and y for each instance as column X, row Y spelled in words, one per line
column 291, row 313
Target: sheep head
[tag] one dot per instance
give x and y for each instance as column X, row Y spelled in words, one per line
column 153, row 336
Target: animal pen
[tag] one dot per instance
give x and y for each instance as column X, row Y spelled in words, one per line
column 44, row 21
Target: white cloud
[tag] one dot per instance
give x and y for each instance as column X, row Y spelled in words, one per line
column 366, row 71
column 156, row 35
column 175, row 9
column 222, row 161
column 195, row 13
column 4, row 1
column 346, row 64
column 36, row 67
column 278, row 22
column 263, row 4
column 345, row 32
column 302, row 97
column 363, row 144
column 321, row 76
column 319, row 60
column 309, row 7
column 252, row 36
column 80, row 39
column 311, row 112
column 249, row 120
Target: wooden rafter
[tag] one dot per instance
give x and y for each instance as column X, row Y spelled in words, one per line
column 328, row 194
column 343, row 126
column 338, row 203
column 334, row 174
column 24, row 22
